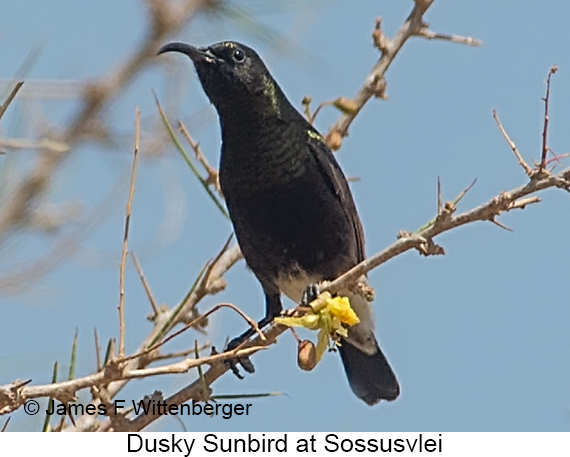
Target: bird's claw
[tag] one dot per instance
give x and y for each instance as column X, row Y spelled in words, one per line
column 244, row 361
column 310, row 294
column 232, row 364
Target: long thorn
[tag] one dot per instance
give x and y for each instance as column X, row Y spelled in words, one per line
column 145, row 285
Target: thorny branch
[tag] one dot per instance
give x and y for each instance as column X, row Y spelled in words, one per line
column 504, row 202
column 374, row 84
column 109, row 380
column 14, row 395
column 517, row 198
column 165, row 321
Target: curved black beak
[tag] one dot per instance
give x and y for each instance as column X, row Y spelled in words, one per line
column 196, row 54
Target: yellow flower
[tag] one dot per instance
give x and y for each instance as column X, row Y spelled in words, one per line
column 328, row 316
column 340, row 307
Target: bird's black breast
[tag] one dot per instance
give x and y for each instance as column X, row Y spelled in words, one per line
column 292, row 210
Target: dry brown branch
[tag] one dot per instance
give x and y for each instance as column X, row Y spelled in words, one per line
column 220, row 265
column 506, row 201
column 57, row 142
column 106, row 383
column 165, row 317
column 165, row 18
column 374, row 84
column 503, row 202
column 14, row 395
column 194, row 391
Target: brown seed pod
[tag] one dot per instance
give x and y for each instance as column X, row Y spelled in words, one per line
column 306, row 355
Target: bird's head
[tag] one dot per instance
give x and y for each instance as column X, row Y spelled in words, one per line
column 233, row 76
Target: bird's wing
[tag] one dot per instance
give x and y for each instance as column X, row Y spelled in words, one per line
column 338, row 184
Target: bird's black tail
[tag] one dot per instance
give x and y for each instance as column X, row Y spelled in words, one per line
column 370, row 376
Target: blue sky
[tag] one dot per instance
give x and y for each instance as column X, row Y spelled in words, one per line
column 478, row 338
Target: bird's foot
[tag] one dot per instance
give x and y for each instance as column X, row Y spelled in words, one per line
column 233, row 363
column 311, row 293
column 245, row 361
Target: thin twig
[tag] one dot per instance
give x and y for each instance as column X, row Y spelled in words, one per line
column 501, row 225
column 201, row 287
column 444, row 211
column 73, row 361
column 185, row 365
column 196, row 321
column 512, row 145
column 209, row 281
column 97, row 349
column 126, row 238
column 145, row 285
column 205, row 285
column 556, row 158
column 213, row 176
column 431, row 35
column 184, row 353
column 464, row 192
column 546, row 100
column 5, row 426
column 13, row 93
column 439, row 198
column 46, row 425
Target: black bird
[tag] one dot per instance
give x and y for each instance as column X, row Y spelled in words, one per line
column 289, row 202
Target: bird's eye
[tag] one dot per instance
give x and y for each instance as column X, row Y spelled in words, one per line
column 239, row 55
